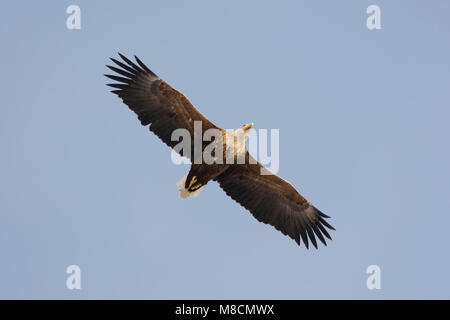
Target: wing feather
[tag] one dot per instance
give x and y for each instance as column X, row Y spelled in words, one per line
column 274, row 201
column 154, row 101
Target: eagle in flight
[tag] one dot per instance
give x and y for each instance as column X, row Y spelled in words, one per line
column 268, row 197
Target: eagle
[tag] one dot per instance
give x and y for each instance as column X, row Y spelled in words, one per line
column 268, row 197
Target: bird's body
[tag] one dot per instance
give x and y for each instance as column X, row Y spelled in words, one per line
column 232, row 147
column 224, row 158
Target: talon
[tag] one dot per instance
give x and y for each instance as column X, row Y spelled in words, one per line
column 196, row 187
column 193, row 180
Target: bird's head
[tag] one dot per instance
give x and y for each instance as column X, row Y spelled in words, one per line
column 244, row 131
column 248, row 126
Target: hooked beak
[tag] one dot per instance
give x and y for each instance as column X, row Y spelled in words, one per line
column 248, row 126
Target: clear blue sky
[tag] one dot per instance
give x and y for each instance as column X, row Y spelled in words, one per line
column 364, row 129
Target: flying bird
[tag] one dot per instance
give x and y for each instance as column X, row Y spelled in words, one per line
column 270, row 199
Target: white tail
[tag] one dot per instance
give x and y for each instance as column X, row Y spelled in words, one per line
column 184, row 193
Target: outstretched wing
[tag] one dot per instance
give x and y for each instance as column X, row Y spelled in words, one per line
column 275, row 201
column 154, row 101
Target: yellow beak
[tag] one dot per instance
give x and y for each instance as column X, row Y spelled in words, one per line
column 248, row 126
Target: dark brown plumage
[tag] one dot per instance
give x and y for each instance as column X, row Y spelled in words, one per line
column 269, row 198
column 154, row 101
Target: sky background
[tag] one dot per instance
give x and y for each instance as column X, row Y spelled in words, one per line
column 364, row 135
